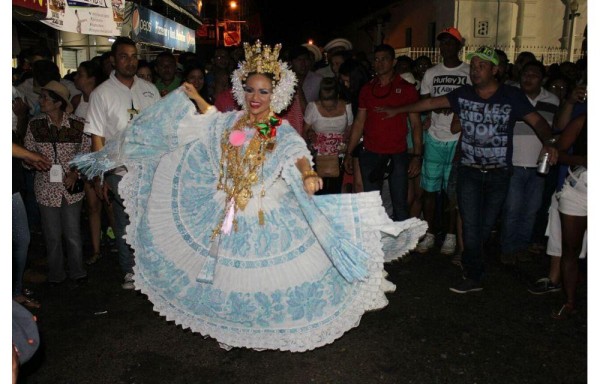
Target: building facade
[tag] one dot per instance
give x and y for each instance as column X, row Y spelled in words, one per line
column 514, row 25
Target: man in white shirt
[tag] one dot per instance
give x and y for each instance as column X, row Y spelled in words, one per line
column 112, row 104
column 439, row 143
column 526, row 186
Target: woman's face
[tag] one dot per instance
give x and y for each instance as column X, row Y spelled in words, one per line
column 145, row 73
column 196, row 78
column 47, row 104
column 559, row 88
column 258, row 90
column 82, row 79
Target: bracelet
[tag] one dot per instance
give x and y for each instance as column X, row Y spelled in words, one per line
column 309, row 173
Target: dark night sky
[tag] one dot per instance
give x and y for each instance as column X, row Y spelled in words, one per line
column 297, row 21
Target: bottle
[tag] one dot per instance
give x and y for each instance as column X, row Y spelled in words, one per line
column 543, row 164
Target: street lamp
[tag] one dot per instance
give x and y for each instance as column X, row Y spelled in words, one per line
column 573, row 7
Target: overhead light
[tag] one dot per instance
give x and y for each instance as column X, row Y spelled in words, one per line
column 111, row 40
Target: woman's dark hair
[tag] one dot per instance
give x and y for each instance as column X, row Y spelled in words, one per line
column 145, row 64
column 45, row 71
column 192, row 67
column 329, row 89
column 93, row 69
column 359, row 76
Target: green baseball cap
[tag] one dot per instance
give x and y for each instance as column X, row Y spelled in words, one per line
column 485, row 53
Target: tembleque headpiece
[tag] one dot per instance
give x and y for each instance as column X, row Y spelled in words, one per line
column 264, row 59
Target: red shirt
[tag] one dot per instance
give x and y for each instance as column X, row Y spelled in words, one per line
column 386, row 135
column 224, row 101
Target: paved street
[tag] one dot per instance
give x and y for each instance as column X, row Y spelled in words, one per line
column 99, row 333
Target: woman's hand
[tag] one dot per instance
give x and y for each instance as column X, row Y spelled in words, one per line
column 190, row 90
column 348, row 164
column 310, row 179
column 312, row 184
column 37, row 161
column 70, row 179
column 193, row 94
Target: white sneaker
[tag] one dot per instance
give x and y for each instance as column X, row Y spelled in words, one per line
column 449, row 245
column 426, row 244
column 128, row 282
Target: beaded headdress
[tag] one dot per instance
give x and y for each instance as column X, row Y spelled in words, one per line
column 264, row 59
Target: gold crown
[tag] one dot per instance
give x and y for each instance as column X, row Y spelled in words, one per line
column 262, row 59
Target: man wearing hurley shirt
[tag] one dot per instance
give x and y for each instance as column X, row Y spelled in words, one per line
column 439, row 143
column 112, row 104
column 488, row 112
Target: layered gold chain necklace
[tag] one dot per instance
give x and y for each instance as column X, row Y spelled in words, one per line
column 241, row 170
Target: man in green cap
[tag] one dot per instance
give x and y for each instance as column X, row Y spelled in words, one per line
column 487, row 111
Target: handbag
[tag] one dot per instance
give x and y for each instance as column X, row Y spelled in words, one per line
column 77, row 187
column 328, row 165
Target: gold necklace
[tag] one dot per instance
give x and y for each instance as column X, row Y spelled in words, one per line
column 240, row 171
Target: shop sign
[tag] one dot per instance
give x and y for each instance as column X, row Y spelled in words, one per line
column 150, row 27
column 35, row 5
column 90, row 17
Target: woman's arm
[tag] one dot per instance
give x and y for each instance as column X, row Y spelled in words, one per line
column 563, row 116
column 311, row 180
column 414, row 167
column 193, row 94
column 308, row 133
column 356, row 133
column 567, row 139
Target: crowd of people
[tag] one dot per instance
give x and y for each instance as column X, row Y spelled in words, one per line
column 455, row 144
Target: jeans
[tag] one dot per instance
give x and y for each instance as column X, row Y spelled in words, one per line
column 398, row 179
column 31, row 204
column 126, row 260
column 58, row 223
column 523, row 201
column 20, row 242
column 481, row 196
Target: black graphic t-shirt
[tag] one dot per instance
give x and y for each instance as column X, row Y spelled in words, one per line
column 487, row 124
